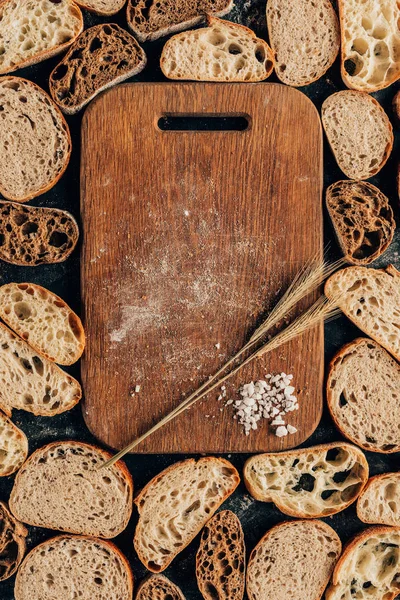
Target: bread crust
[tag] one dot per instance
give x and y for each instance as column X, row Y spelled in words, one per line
column 53, row 182
column 18, row 536
column 371, row 481
column 102, row 13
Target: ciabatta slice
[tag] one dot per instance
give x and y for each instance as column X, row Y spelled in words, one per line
column 176, row 504
column 158, row 587
column 12, row 543
column 379, row 502
column 13, row 447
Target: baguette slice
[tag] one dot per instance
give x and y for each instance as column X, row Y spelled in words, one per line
column 223, row 51
column 293, row 560
column 379, row 502
column 158, row 587
column 31, row 31
column 305, row 38
column 101, row 57
column 359, row 133
column 13, row 448
column 221, row 558
column 31, row 382
column 369, row 567
column 362, row 219
column 175, row 505
column 396, row 107
column 363, row 395
column 370, row 43
column 43, row 320
column 31, row 236
column 308, row 483
column 61, row 487
column 152, row 19
column 69, row 566
column 371, row 299
column 102, row 7
column 34, row 140
column 12, row 543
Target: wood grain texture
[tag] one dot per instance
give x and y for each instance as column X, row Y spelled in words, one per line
column 189, row 238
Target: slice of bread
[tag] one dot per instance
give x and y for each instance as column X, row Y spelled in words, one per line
column 396, row 107
column 30, row 382
column 158, row 587
column 379, row 502
column 12, row 543
column 13, row 448
column 305, row 38
column 61, row 487
column 370, row 43
column 363, row 394
column 101, row 57
column 221, row 558
column 34, row 140
column 69, row 566
column 43, row 320
column 371, row 299
column 102, row 7
column 223, row 51
column 293, row 560
column 359, row 133
column 362, row 219
column 152, row 19
column 31, row 236
column 308, row 483
column 31, row 31
column 369, row 567
column 175, row 505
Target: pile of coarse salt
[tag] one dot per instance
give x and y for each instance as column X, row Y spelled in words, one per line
column 270, row 399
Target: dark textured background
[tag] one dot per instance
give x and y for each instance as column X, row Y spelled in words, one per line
column 63, row 279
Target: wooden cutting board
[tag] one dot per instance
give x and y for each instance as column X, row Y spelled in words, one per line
column 189, row 238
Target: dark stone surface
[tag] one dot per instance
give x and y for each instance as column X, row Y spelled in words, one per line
column 63, row 279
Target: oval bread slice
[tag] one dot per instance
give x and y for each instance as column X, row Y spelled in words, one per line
column 61, row 487
column 305, row 38
column 69, row 566
column 359, row 133
column 293, row 560
column 223, row 51
column 369, row 567
column 34, row 140
column 176, row 504
column 13, row 447
column 12, row 543
column 43, row 320
column 158, row 587
column 308, row 483
column 379, row 502
column 102, row 7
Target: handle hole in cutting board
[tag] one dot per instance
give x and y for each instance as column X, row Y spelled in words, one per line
column 204, row 123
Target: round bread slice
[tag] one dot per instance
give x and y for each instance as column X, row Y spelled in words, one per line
column 62, row 487
column 69, row 566
column 43, row 320
column 158, row 587
column 32, row 236
column 102, row 7
column 13, row 447
column 12, row 543
column 293, row 560
column 363, row 394
column 369, row 567
column 396, row 107
column 34, row 140
column 359, row 133
column 305, row 38
column 379, row 502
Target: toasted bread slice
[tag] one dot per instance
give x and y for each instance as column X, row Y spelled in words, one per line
column 13, row 447
column 359, row 133
column 379, row 502
column 34, row 140
column 104, row 8
column 61, row 487
column 308, row 483
column 223, row 51
column 158, row 587
column 176, row 504
column 293, row 560
column 369, row 567
column 371, row 299
column 70, row 566
column 101, row 57
column 152, row 19
column 305, row 38
column 12, row 543
column 43, row 320
column 221, row 558
column 362, row 219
